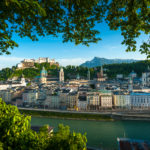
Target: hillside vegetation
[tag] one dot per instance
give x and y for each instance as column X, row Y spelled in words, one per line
column 71, row 72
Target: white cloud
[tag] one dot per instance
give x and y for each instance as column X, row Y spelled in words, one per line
column 8, row 61
column 71, row 61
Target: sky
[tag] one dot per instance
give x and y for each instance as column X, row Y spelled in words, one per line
column 70, row 54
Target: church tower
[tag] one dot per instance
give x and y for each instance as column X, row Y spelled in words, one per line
column 23, row 82
column 61, row 75
column 101, row 72
column 78, row 76
column 88, row 75
column 130, row 87
column 43, row 76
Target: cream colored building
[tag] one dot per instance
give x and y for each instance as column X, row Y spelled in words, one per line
column 79, row 82
column 72, row 101
column 122, row 101
column 93, row 100
column 106, row 101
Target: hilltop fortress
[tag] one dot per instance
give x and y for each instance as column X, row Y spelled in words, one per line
column 29, row 63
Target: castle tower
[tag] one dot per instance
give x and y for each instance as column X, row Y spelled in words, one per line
column 61, row 75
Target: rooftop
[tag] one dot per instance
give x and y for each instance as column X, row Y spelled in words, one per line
column 140, row 93
column 133, row 144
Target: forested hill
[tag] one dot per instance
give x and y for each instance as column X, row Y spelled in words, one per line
column 71, row 72
column 126, row 68
column 96, row 61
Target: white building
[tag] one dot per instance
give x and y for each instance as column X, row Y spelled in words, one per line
column 119, row 76
column 106, row 99
column 140, row 100
column 9, row 85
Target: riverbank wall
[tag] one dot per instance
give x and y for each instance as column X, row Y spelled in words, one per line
column 66, row 115
column 99, row 116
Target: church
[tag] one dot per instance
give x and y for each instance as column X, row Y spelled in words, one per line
column 146, row 78
column 100, row 76
column 46, row 79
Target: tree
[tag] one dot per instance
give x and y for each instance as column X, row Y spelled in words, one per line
column 74, row 20
column 65, row 140
column 16, row 133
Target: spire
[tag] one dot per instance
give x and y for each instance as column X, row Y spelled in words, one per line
column 78, row 76
column 61, row 75
column 88, row 74
column 101, row 72
column 148, row 68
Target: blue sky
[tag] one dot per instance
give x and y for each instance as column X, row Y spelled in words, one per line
column 68, row 53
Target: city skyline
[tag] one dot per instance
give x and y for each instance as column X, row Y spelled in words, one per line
column 70, row 54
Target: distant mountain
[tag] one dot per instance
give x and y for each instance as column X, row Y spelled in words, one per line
column 96, row 61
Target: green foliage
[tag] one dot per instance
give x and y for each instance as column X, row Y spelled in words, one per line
column 132, row 18
column 1, row 146
column 126, row 68
column 71, row 72
column 16, row 133
column 74, row 20
column 33, row 18
column 5, row 73
column 29, row 73
column 63, row 139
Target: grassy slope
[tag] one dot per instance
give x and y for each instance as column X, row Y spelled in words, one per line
column 80, row 116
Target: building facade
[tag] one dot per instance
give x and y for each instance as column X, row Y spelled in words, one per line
column 93, row 100
column 61, row 75
column 146, row 78
column 140, row 100
column 122, row 101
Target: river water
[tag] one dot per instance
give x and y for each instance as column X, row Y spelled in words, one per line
column 101, row 134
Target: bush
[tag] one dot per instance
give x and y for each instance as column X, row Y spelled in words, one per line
column 16, row 133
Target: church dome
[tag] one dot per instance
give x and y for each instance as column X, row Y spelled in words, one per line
column 43, row 72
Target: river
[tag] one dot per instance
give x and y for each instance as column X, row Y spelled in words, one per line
column 101, row 134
